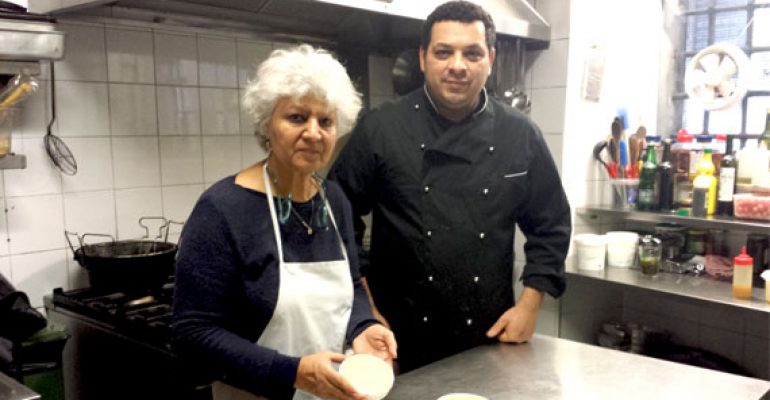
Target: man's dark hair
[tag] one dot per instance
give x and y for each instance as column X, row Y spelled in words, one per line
column 460, row 11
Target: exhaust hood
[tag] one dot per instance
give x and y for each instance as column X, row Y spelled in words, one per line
column 378, row 23
column 28, row 37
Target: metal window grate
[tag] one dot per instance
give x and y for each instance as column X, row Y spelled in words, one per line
column 710, row 21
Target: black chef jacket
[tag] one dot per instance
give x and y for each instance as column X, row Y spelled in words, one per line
column 445, row 198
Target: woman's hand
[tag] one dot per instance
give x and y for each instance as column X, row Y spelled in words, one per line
column 378, row 341
column 316, row 375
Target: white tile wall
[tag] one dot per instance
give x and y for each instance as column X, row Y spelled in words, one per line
column 90, row 212
column 176, row 59
column 85, row 59
column 179, row 110
column 181, row 160
column 94, row 158
column 40, row 176
column 38, row 273
column 82, row 108
column 133, row 109
column 132, row 204
column 221, row 157
column 217, row 62
column 3, row 231
column 130, row 55
column 219, row 111
column 136, row 161
column 5, row 268
column 35, row 223
column 250, row 54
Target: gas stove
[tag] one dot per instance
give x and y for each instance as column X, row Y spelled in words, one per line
column 144, row 315
column 120, row 345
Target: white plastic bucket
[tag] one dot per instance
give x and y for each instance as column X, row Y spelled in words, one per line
column 591, row 250
column 621, row 248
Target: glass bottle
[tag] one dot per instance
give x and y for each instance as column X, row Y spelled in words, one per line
column 704, row 187
column 765, row 136
column 666, row 179
column 727, row 171
column 646, row 199
column 743, row 271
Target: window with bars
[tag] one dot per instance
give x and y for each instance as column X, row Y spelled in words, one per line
column 746, row 24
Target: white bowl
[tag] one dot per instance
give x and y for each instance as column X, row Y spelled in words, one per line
column 462, row 396
column 371, row 376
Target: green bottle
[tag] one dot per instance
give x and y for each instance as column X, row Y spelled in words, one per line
column 646, row 199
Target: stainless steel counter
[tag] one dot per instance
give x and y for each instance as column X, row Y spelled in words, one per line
column 12, row 390
column 551, row 368
column 696, row 287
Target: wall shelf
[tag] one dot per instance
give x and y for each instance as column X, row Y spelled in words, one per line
column 13, row 161
column 695, row 287
column 712, row 222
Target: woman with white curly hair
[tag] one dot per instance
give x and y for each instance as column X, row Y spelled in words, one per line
column 268, row 293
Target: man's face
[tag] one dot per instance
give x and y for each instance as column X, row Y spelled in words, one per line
column 456, row 65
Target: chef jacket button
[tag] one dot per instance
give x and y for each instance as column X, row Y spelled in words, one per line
column 491, row 149
column 429, row 233
column 469, row 321
column 422, row 146
column 430, row 278
column 416, row 106
column 485, row 191
column 427, row 189
column 425, row 319
column 476, row 279
column 482, row 235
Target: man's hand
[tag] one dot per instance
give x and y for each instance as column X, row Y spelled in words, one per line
column 378, row 341
column 315, row 375
column 518, row 323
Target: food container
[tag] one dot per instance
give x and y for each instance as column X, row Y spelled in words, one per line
column 752, row 206
column 591, row 250
column 370, row 375
column 621, row 248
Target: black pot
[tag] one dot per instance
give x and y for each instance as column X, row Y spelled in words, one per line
column 127, row 264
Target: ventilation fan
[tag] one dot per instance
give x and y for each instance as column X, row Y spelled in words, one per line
column 717, row 77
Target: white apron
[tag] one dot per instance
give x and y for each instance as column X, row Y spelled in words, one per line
column 313, row 308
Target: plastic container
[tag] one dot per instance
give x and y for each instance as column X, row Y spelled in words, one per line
column 371, row 376
column 621, row 248
column 591, row 250
column 624, row 193
column 752, row 206
column 743, row 271
column 766, row 277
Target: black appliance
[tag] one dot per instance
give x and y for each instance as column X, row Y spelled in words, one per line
column 120, row 345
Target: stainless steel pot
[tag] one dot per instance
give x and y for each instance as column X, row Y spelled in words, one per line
column 126, row 264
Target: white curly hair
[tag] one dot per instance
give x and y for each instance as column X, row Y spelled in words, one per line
column 295, row 73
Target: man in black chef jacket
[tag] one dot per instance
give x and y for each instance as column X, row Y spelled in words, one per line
column 448, row 171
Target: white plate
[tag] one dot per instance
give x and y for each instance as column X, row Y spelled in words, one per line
column 462, row 396
column 370, row 375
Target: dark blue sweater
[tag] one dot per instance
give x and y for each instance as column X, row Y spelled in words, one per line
column 227, row 280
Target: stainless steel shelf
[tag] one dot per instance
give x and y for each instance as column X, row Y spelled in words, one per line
column 13, row 161
column 695, row 287
column 712, row 222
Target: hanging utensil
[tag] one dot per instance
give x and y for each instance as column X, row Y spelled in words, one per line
column 60, row 154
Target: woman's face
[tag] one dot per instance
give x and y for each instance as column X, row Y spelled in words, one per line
column 302, row 133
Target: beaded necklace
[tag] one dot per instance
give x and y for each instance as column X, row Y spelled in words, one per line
column 285, row 209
